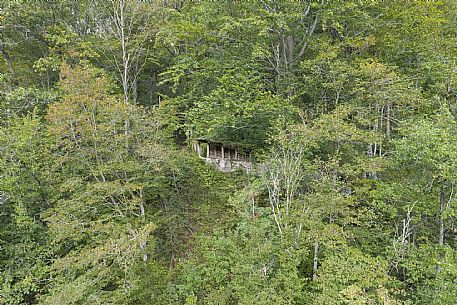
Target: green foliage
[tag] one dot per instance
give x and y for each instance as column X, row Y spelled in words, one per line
column 106, row 158
column 63, row 46
column 347, row 276
column 426, row 155
column 244, row 265
column 25, row 192
column 431, row 274
column 238, row 111
column 23, row 101
column 429, row 145
column 348, row 108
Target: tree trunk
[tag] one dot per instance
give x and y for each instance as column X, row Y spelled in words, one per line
column 6, row 55
column 388, row 123
column 125, row 55
column 315, row 260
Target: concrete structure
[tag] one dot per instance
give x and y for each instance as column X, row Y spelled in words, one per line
column 226, row 158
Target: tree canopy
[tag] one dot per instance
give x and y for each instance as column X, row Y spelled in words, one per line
column 349, row 109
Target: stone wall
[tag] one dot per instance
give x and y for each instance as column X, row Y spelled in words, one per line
column 226, row 165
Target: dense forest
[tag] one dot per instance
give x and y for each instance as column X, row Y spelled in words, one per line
column 349, row 109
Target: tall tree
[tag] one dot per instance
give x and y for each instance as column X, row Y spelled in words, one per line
column 101, row 220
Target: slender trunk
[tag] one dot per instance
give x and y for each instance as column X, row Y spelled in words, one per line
column 289, row 46
column 135, row 91
column 381, row 118
column 315, row 260
column 125, row 55
column 273, row 193
column 6, row 55
column 253, row 195
column 119, row 10
column 142, row 211
column 125, row 64
column 388, row 124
